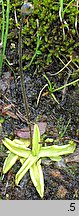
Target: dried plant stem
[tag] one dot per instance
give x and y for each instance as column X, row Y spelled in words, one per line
column 25, row 99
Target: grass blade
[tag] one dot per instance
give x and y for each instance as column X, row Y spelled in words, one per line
column 7, row 26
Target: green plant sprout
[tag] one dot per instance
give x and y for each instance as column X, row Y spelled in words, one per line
column 30, row 158
column 52, row 88
column 4, row 32
column 49, row 86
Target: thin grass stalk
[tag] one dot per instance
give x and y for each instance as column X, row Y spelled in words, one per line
column 4, row 32
column 68, row 84
column 66, row 8
column 7, row 26
column 76, row 18
column 38, row 44
column 25, row 99
column 61, row 9
column 3, row 21
column 2, row 35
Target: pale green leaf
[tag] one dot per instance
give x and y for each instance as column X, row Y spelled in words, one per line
column 25, row 167
column 37, row 178
column 38, row 52
column 22, row 160
column 22, row 141
column 55, row 150
column 25, row 141
column 49, row 140
column 36, row 139
column 9, row 162
column 16, row 143
column 17, row 148
column 58, row 158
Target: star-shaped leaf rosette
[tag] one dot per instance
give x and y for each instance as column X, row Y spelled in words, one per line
column 30, row 157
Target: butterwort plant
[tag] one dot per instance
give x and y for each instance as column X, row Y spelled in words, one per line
column 31, row 157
